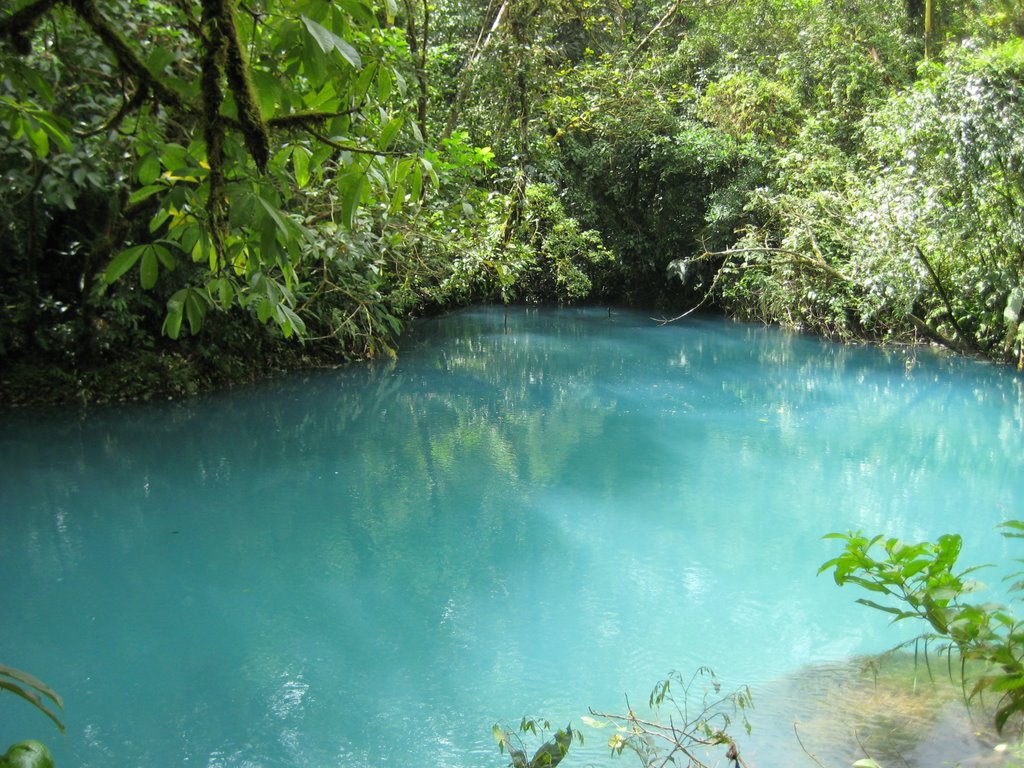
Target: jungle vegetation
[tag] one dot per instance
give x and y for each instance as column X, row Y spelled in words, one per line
column 197, row 191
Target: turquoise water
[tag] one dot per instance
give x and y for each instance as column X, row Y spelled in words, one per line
column 370, row 566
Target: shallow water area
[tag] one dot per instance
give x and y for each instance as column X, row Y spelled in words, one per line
column 373, row 565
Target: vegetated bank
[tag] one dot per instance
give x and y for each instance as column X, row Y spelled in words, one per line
column 200, row 194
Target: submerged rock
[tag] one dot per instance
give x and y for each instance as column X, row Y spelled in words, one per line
column 890, row 708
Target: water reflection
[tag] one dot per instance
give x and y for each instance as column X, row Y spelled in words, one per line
column 354, row 566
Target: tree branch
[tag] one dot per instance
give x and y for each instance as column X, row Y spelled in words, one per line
column 20, row 23
column 352, row 148
column 661, row 23
column 128, row 106
column 964, row 339
column 127, row 58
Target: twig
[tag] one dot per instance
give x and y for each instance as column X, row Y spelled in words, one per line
column 352, row 148
column 805, row 750
column 940, row 288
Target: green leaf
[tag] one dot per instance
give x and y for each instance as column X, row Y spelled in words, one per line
column 362, row 84
column 39, row 139
column 277, row 216
column 121, row 263
column 385, row 83
column 264, row 309
column 158, row 60
column 148, row 269
column 195, row 310
column 30, row 687
column 33, row 698
column 292, row 322
column 145, row 192
column 351, row 188
column 175, row 313
column 222, row 291
column 416, row 182
column 388, row 133
column 877, row 606
column 164, row 255
column 300, row 163
column 328, row 41
column 361, row 10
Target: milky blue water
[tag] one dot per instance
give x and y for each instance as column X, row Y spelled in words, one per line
column 370, row 566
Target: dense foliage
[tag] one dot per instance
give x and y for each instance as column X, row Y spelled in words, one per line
column 201, row 189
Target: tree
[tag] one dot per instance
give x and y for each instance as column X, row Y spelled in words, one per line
column 218, row 128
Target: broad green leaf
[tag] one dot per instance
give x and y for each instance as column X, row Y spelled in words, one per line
column 148, row 269
column 172, row 324
column 362, row 84
column 268, row 240
column 294, row 322
column 164, row 255
column 48, row 122
column 121, row 263
column 221, row 291
column 877, row 606
column 174, row 157
column 264, row 310
column 158, row 60
column 195, row 310
column 351, row 188
column 268, row 91
column 416, row 182
column 175, row 313
column 148, row 169
column 300, row 163
column 397, row 199
column 328, row 41
column 145, row 192
column 361, row 11
column 385, row 82
column 39, row 140
column 388, row 133
column 277, row 216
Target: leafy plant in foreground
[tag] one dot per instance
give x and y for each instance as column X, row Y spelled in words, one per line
column 695, row 726
column 923, row 580
column 548, row 755
column 699, row 716
column 32, row 690
column 29, row 754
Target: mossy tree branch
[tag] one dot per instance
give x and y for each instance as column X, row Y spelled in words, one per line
column 127, row 59
column 19, row 24
column 257, row 141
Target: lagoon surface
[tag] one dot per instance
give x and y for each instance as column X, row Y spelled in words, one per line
column 370, row 566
